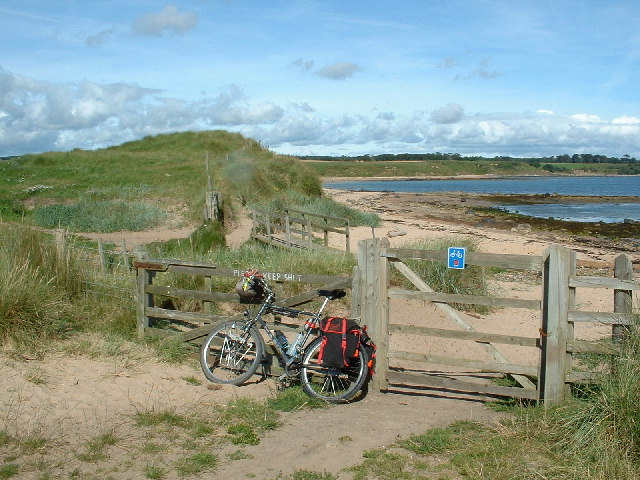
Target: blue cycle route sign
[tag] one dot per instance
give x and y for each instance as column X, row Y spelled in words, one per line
column 456, row 257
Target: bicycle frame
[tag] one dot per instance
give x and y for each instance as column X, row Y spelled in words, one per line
column 267, row 307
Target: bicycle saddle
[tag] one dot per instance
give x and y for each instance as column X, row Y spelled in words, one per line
column 332, row 294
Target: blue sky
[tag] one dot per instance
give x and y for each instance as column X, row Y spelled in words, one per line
column 312, row 77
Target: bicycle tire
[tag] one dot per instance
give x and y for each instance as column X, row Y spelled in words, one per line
column 230, row 354
column 333, row 385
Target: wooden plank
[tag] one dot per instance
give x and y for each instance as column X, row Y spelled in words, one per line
column 522, row 262
column 457, row 318
column 406, row 378
column 193, row 294
column 317, row 215
column 603, row 282
column 194, row 317
column 584, row 377
column 466, row 299
column 584, row 346
column 465, row 335
column 601, row 317
column 465, row 363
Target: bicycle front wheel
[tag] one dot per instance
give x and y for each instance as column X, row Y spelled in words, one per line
column 332, row 384
column 231, row 354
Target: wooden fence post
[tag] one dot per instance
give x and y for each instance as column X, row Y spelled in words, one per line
column 346, row 237
column 287, row 227
column 61, row 243
column 144, row 277
column 374, row 275
column 622, row 299
column 558, row 266
column 103, row 262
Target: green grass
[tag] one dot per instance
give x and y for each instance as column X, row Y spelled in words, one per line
column 139, row 184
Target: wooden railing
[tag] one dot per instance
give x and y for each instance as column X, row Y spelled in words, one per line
column 298, row 229
column 548, row 380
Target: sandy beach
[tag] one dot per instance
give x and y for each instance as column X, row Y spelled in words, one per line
column 78, row 398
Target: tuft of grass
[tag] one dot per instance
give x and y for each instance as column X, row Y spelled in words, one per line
column 294, row 398
column 309, row 475
column 96, row 447
column 191, row 380
column 196, row 464
column 9, row 470
column 154, row 472
column 37, row 376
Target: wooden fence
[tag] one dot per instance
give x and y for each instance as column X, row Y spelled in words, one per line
column 556, row 343
column 555, row 346
column 297, row 229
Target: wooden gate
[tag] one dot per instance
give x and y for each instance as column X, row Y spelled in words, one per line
column 549, row 379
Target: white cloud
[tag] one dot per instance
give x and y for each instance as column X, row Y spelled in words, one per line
column 585, row 117
column 450, row 113
column 39, row 116
column 339, row 70
column 626, row 120
column 169, row 20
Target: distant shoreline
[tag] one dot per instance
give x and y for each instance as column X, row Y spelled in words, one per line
column 483, row 176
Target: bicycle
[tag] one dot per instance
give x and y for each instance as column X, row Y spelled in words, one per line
column 234, row 350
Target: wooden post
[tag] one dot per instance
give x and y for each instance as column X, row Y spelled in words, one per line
column 326, row 233
column 309, row 233
column 61, row 244
column 125, row 257
column 287, row 228
column 103, row 267
column 558, row 266
column 374, row 274
column 254, row 223
column 144, row 277
column 347, row 240
column 267, row 222
column 622, row 299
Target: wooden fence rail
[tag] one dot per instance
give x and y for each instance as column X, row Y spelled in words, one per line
column 297, row 229
column 549, row 380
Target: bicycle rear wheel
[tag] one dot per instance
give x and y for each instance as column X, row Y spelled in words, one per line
column 230, row 354
column 332, row 384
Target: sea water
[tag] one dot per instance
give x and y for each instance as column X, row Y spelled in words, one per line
column 627, row 185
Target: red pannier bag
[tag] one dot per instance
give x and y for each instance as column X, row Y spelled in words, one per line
column 340, row 340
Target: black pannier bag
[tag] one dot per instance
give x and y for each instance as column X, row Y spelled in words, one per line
column 340, row 339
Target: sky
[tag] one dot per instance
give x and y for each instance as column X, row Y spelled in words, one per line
column 325, row 77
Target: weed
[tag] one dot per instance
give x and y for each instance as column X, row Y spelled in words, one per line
column 238, row 455
column 308, row 475
column 191, row 380
column 196, row 463
column 243, row 434
column 37, row 376
column 154, row 472
column 95, row 449
column 294, row 398
column 9, row 470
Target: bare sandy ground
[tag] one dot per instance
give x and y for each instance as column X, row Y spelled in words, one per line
column 72, row 399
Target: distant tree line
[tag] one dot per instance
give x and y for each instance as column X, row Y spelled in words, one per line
column 388, row 157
